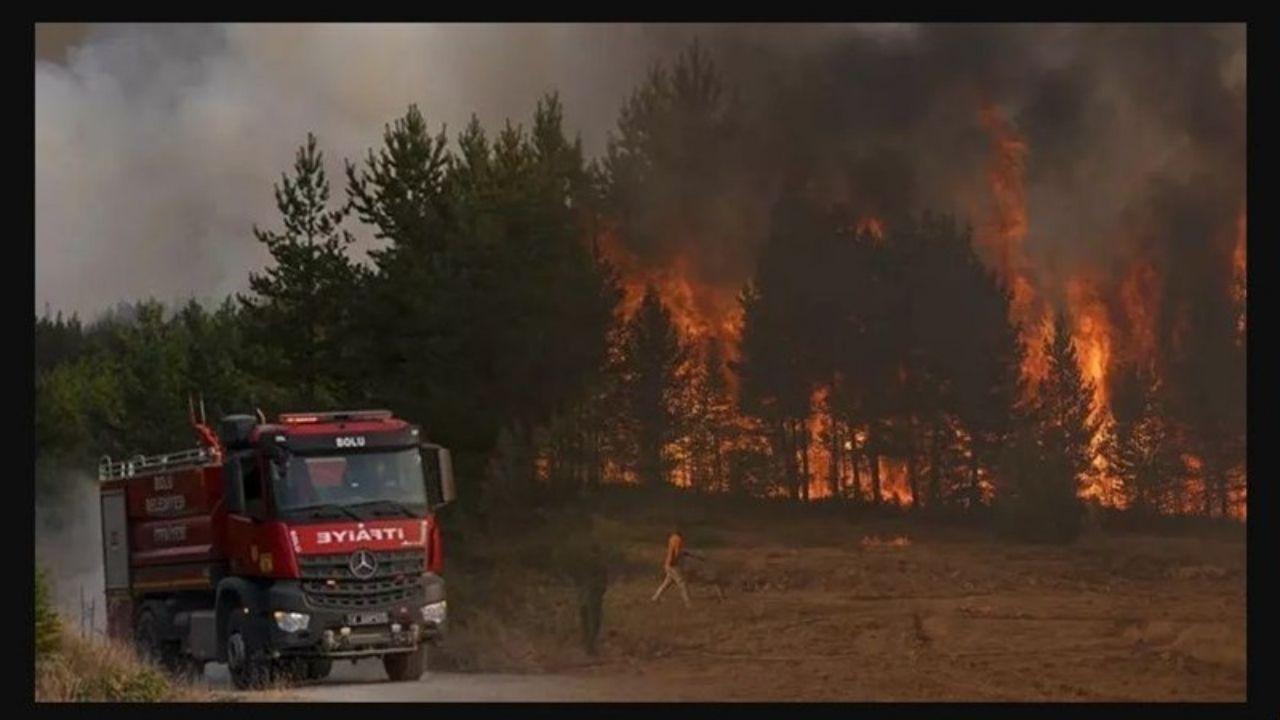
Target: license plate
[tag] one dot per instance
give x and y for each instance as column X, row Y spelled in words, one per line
column 376, row 618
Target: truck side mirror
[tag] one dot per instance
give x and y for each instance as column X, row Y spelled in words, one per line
column 437, row 471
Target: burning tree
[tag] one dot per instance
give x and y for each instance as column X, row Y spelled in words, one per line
column 650, row 384
column 709, row 427
column 740, row 295
column 783, row 328
column 1051, row 450
column 1143, row 448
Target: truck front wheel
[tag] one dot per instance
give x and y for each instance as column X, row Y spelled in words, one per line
column 404, row 667
column 246, row 666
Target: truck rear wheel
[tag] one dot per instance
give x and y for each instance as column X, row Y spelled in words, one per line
column 403, row 667
column 152, row 648
column 245, row 664
column 146, row 638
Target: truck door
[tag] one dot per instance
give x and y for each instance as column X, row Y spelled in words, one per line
column 246, row 512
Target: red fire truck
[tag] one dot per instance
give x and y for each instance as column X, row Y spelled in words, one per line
column 279, row 547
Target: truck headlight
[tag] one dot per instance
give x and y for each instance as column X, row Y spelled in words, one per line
column 291, row 621
column 434, row 612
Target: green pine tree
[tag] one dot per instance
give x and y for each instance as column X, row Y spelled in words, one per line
column 299, row 313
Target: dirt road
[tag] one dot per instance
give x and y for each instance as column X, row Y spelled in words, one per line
column 366, row 682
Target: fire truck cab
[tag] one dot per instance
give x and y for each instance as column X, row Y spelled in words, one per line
column 279, row 547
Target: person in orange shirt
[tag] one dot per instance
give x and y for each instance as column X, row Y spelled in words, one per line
column 671, row 566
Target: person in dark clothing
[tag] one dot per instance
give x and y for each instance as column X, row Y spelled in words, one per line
column 591, row 581
column 582, row 560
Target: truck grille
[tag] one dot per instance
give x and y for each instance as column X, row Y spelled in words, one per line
column 328, row 582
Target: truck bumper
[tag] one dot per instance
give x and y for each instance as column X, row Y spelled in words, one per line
column 370, row 630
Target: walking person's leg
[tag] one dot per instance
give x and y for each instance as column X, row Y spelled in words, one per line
column 662, row 588
column 679, row 579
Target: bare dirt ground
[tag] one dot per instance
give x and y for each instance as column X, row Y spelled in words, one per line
column 944, row 618
column 833, row 610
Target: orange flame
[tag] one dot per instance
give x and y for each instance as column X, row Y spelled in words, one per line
column 1003, row 237
column 893, row 480
column 699, row 310
column 1092, row 337
column 873, row 226
column 819, row 427
column 1138, row 293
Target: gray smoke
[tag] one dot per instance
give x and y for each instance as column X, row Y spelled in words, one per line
column 1134, row 136
column 1107, row 112
column 69, row 548
column 156, row 146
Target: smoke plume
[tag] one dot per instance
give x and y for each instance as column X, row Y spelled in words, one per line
column 69, row 547
column 156, row 146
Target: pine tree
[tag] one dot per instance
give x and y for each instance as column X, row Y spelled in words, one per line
column 299, row 312
column 1142, row 450
column 1051, row 450
column 709, row 427
column 784, row 337
column 410, row 307
column 653, row 357
column 1063, row 409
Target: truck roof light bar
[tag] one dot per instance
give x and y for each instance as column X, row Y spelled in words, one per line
column 305, row 418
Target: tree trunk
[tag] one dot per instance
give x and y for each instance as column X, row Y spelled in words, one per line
column 717, row 470
column 833, row 467
column 1206, row 487
column 789, row 458
column 855, row 456
column 873, row 465
column 911, row 463
column 975, row 494
column 802, row 433
column 1220, row 484
column 935, row 461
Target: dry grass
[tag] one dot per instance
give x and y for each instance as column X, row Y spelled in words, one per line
column 97, row 669
column 510, row 619
column 820, row 606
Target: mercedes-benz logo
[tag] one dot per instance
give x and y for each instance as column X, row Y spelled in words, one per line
column 363, row 564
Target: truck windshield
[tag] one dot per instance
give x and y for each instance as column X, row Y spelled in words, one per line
column 366, row 484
